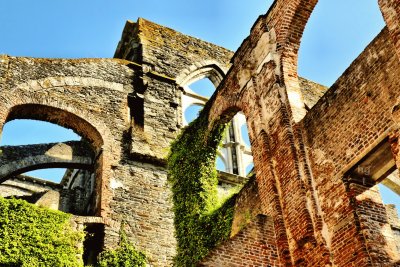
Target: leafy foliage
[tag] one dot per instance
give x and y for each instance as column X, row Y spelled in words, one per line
column 34, row 236
column 124, row 256
column 199, row 221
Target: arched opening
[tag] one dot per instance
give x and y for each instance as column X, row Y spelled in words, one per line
column 59, row 117
column 336, row 33
column 50, row 163
column 203, row 197
column 198, row 84
column 235, row 146
column 24, row 132
column 194, row 97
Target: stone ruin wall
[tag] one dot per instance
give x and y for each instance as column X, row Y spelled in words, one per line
column 130, row 110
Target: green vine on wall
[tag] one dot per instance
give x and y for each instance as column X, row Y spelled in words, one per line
column 200, row 223
column 32, row 236
column 125, row 255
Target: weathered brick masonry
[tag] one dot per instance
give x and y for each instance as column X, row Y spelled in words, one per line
column 313, row 200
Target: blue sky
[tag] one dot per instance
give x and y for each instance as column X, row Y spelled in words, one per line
column 336, row 33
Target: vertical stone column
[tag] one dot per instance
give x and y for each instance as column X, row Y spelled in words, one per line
column 391, row 13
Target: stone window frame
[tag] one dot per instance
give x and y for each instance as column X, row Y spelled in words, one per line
column 233, row 144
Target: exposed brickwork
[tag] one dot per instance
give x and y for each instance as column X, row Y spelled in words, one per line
column 321, row 215
column 346, row 123
column 307, row 206
column 394, row 222
column 252, row 246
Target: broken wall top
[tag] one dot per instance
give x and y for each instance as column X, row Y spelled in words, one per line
column 167, row 51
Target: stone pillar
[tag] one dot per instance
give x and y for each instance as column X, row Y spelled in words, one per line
column 391, row 13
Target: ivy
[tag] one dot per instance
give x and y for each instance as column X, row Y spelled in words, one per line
column 124, row 256
column 35, row 236
column 200, row 223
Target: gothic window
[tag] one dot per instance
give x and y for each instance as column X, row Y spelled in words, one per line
column 235, row 154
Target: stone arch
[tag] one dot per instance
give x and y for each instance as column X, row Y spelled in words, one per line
column 70, row 114
column 15, row 160
column 29, row 93
column 81, row 122
column 57, row 116
column 206, row 69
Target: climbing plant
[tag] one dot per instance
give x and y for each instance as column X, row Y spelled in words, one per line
column 125, row 255
column 32, row 236
column 200, row 223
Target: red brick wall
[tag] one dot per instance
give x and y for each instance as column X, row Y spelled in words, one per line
column 253, row 246
column 299, row 167
column 346, row 123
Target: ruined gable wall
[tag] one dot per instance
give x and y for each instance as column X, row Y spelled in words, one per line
column 347, row 122
column 170, row 52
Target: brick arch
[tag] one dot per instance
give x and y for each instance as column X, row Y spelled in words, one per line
column 15, row 160
column 290, row 22
column 289, row 19
column 225, row 105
